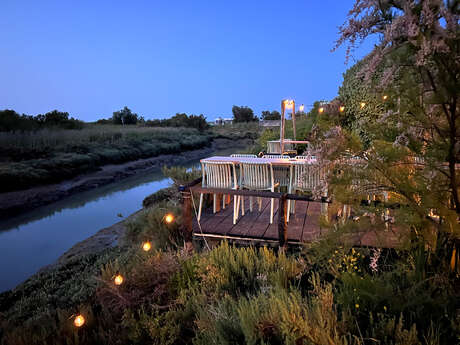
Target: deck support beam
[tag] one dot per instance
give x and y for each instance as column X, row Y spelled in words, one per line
column 282, row 223
column 187, row 226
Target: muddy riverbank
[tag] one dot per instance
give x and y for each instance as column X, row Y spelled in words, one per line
column 13, row 203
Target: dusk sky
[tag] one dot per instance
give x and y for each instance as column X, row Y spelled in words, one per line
column 91, row 58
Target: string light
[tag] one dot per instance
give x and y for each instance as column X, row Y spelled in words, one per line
column 79, row 320
column 169, row 218
column 146, row 246
column 118, row 280
column 342, row 108
column 362, row 105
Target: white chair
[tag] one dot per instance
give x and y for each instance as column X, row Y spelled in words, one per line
column 305, row 177
column 219, row 175
column 243, row 155
column 274, row 146
column 281, row 173
column 257, row 176
column 276, row 156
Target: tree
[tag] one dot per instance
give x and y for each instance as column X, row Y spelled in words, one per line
column 124, row 117
column 274, row 115
column 412, row 142
column 243, row 114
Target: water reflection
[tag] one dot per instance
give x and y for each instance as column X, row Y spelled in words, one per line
column 37, row 238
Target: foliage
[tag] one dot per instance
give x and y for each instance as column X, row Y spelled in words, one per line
column 243, row 114
column 28, row 159
column 124, row 117
column 274, row 115
column 11, row 121
column 181, row 175
column 400, row 128
column 181, row 120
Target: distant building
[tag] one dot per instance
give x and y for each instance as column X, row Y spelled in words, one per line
column 223, row 121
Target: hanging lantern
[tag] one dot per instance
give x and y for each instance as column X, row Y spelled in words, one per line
column 79, row 320
column 146, row 246
column 118, row 280
column 169, row 218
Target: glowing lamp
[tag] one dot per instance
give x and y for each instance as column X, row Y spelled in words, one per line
column 79, row 320
column 342, row 108
column 146, row 246
column 385, row 97
column 118, row 280
column 169, row 218
column 321, row 110
column 302, row 107
column 362, row 105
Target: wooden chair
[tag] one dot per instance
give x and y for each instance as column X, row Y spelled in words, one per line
column 257, row 176
column 305, row 177
column 281, row 173
column 219, row 175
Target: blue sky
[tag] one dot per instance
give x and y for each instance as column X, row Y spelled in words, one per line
column 91, row 58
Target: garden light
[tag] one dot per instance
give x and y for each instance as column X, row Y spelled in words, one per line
column 118, row 280
column 146, row 246
column 79, row 320
column 169, row 218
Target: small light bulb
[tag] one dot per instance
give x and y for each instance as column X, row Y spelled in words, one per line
column 146, row 246
column 169, row 218
column 362, row 105
column 385, row 97
column 321, row 110
column 342, row 109
column 79, row 320
column 118, row 279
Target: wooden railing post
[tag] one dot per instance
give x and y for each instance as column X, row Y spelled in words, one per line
column 282, row 224
column 187, row 226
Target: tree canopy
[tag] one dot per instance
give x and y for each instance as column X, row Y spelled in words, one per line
column 243, row 114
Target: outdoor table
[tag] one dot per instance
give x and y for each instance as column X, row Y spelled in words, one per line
column 283, row 162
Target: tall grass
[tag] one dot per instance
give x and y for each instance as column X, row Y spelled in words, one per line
column 102, row 134
column 49, row 156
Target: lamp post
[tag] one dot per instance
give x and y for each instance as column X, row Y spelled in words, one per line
column 286, row 103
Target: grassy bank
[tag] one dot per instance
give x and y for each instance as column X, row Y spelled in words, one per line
column 325, row 294
column 47, row 156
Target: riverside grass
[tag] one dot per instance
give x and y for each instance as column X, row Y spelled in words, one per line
column 47, row 156
column 230, row 295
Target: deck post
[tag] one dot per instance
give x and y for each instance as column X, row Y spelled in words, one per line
column 282, row 224
column 187, row 226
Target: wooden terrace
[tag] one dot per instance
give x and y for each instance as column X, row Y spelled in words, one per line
column 254, row 227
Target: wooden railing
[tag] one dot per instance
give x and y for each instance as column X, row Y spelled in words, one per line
column 195, row 187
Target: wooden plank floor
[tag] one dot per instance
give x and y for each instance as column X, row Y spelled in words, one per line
column 303, row 225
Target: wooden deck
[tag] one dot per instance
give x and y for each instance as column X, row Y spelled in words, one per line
column 255, row 226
